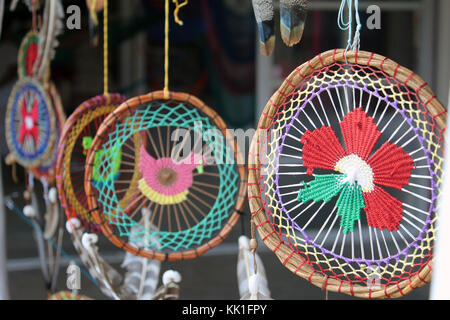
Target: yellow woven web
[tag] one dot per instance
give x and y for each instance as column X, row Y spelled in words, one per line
column 362, row 271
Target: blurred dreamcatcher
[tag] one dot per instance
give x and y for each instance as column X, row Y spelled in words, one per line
column 33, row 123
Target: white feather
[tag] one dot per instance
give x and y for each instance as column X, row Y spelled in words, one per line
column 141, row 278
column 251, row 286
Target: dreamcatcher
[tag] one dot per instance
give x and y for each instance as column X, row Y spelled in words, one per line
column 292, row 22
column 345, row 172
column 190, row 187
column 141, row 279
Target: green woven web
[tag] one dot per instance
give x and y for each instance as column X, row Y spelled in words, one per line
column 179, row 115
column 326, row 187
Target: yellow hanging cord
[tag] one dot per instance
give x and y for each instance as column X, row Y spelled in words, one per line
column 166, row 52
column 177, row 9
column 166, row 41
column 105, row 48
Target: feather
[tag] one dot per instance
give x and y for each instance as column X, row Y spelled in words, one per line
column 251, row 286
column 52, row 27
column 266, row 25
column 292, row 20
column 52, row 216
column 108, row 278
column 142, row 274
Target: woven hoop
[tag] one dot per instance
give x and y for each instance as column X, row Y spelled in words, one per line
column 117, row 117
column 33, row 155
column 289, row 257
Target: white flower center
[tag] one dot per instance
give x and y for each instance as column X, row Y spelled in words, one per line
column 356, row 170
column 29, row 123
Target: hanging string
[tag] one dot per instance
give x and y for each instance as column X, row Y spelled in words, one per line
column 353, row 42
column 166, row 51
column 178, row 6
column 34, row 15
column 356, row 39
column 105, row 47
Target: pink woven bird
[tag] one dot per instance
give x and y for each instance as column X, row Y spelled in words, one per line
column 166, row 181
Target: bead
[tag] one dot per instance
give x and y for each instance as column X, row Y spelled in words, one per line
column 253, row 244
column 27, row 195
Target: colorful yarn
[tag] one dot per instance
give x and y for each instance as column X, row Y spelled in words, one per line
column 28, row 127
column 162, row 114
column 84, row 122
column 46, row 170
column 178, row 178
column 30, row 123
column 159, row 198
column 66, row 295
column 114, row 151
column 393, row 167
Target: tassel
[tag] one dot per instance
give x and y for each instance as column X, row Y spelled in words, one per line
column 292, row 20
column 266, row 25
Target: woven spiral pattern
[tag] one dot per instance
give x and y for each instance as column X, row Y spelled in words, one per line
column 337, row 138
column 188, row 226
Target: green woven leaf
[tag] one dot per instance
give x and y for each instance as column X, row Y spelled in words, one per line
column 349, row 205
column 326, row 187
column 323, row 188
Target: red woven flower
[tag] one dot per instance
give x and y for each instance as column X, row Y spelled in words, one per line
column 29, row 122
column 389, row 166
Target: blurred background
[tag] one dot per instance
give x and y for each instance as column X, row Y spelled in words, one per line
column 215, row 57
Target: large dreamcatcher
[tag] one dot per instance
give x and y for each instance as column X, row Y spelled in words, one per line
column 191, row 182
column 141, row 278
column 345, row 172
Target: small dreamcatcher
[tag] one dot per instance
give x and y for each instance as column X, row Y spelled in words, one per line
column 191, row 182
column 345, row 172
column 30, row 123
